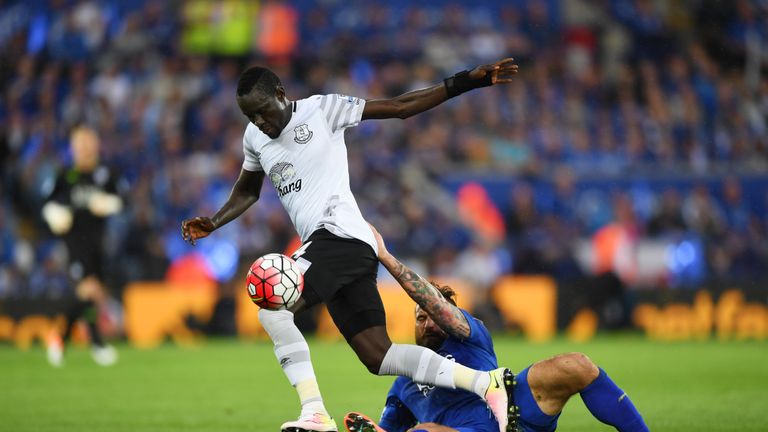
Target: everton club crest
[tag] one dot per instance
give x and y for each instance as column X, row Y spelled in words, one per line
column 303, row 134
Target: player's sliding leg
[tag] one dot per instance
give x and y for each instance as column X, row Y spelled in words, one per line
column 611, row 405
column 425, row 366
column 292, row 352
column 553, row 381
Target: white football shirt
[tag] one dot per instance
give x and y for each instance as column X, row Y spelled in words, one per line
column 308, row 166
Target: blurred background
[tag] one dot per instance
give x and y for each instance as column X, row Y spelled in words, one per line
column 621, row 181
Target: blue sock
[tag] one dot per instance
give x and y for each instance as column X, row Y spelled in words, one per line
column 609, row 404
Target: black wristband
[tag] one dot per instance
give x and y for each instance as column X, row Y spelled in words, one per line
column 461, row 83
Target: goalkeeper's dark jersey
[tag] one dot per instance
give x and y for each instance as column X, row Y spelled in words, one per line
column 75, row 188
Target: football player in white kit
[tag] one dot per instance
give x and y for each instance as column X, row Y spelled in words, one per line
column 300, row 146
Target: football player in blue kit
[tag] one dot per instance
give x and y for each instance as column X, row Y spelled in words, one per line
column 540, row 391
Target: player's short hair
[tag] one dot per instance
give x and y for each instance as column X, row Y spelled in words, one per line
column 447, row 292
column 259, row 78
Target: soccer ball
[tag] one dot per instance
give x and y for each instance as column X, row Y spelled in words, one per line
column 274, row 282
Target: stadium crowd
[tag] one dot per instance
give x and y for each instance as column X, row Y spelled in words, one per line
column 664, row 92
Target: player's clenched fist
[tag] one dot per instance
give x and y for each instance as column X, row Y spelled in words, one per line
column 196, row 228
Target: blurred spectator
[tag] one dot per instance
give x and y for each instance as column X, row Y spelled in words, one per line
column 143, row 253
column 668, row 218
column 737, row 215
column 522, row 212
column 480, row 265
column 702, row 214
column 615, row 244
column 278, row 37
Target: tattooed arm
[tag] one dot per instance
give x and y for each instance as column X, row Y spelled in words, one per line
column 447, row 316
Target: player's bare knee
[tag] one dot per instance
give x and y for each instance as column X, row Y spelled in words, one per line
column 578, row 370
column 588, row 370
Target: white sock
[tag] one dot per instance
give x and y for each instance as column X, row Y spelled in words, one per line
column 292, row 352
column 427, row 367
column 472, row 380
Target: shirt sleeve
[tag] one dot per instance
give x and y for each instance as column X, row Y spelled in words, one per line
column 341, row 111
column 396, row 417
column 478, row 333
column 251, row 162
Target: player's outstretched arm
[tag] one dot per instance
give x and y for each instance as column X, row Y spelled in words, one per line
column 417, row 101
column 447, row 316
column 244, row 193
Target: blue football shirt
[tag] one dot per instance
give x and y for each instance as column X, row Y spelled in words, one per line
column 409, row 403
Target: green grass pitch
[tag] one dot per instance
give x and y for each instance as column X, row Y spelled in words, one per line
column 226, row 385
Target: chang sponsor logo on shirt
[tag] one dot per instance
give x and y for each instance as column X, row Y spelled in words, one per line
column 281, row 175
